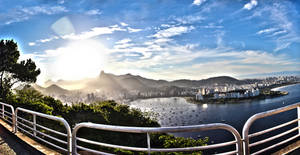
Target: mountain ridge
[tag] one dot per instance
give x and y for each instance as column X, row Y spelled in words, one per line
column 121, row 83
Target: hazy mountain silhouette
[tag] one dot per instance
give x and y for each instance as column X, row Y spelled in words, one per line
column 52, row 89
column 121, row 83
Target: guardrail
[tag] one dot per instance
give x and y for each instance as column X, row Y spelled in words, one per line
column 36, row 132
column 149, row 130
column 8, row 116
column 241, row 145
column 255, row 117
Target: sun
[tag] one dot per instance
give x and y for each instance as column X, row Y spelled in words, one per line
column 80, row 59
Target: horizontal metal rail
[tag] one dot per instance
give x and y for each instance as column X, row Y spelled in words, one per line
column 51, row 130
column 273, row 128
column 12, row 114
column 30, row 127
column 36, row 132
column 149, row 130
column 255, row 117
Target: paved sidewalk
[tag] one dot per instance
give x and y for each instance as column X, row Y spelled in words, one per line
column 10, row 145
column 4, row 147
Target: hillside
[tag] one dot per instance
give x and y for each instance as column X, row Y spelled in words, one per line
column 52, row 89
column 111, row 83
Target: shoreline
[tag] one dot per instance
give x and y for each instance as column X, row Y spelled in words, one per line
column 236, row 100
column 286, row 85
column 191, row 100
column 266, row 93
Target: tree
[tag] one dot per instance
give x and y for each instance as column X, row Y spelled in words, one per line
column 13, row 71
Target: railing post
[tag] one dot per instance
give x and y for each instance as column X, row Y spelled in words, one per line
column 13, row 122
column 298, row 111
column 74, row 142
column 245, row 131
column 148, row 143
column 69, row 144
column 16, row 120
column 34, row 124
column 3, row 111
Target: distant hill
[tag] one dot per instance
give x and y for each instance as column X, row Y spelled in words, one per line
column 105, row 82
column 221, row 80
column 51, row 90
column 128, row 82
column 123, row 83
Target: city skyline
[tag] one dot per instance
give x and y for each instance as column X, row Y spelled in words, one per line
column 160, row 39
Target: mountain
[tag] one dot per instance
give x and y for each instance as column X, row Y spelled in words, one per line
column 51, row 90
column 132, row 83
column 105, row 82
column 122, row 83
column 56, row 89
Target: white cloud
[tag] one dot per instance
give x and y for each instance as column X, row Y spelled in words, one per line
column 250, row 5
column 93, row 12
column 31, row 43
column 212, row 26
column 198, row 2
column 43, row 10
column 43, row 40
column 20, row 14
column 123, row 41
column 132, row 30
column 279, row 32
column 286, row 31
column 96, row 31
column 240, row 62
column 269, row 30
column 61, row 1
column 158, row 41
column 165, row 25
column 123, row 24
column 123, row 46
column 173, row 31
column 189, row 19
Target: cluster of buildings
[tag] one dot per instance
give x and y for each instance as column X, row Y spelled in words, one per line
column 229, row 94
column 242, row 91
column 238, row 94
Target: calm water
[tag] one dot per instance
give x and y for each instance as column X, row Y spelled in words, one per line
column 177, row 111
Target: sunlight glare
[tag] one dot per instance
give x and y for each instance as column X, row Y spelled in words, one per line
column 80, row 59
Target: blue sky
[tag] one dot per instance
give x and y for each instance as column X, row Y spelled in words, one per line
column 159, row 39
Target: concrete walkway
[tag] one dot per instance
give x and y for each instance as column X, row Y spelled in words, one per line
column 11, row 145
column 4, row 147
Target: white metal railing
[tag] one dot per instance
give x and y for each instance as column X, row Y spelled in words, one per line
column 241, row 145
column 35, row 133
column 8, row 116
column 255, row 117
column 149, row 130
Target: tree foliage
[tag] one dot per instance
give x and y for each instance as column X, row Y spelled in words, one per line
column 12, row 70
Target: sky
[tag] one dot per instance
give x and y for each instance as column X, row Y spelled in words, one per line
column 157, row 39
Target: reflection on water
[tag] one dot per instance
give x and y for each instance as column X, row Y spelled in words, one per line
column 177, row 111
